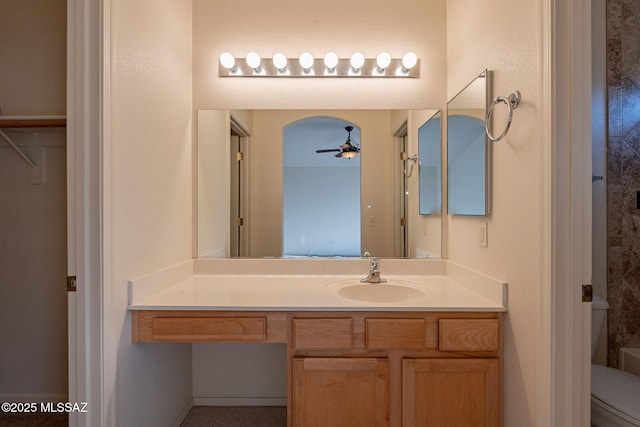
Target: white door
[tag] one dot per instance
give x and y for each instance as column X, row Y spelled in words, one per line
column 84, row 202
column 564, row 368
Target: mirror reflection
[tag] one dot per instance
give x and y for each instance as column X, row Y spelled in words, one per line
column 286, row 193
column 468, row 150
column 429, row 151
column 321, row 188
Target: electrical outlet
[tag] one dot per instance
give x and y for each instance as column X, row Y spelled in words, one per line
column 483, row 240
column 372, row 221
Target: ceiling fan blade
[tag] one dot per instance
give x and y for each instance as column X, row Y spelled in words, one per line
column 328, row 151
column 338, row 155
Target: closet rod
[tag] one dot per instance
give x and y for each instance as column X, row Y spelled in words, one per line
column 18, row 150
column 33, row 121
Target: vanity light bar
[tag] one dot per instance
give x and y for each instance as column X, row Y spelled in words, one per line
column 330, row 65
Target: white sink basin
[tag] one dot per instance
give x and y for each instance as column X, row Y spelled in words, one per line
column 391, row 291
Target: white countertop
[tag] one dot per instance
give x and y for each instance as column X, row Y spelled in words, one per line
column 179, row 288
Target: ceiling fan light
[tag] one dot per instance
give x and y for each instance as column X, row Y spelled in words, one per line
column 349, row 154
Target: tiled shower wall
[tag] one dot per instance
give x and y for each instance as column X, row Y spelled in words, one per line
column 623, row 175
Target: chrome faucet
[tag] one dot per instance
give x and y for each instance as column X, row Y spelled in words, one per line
column 374, row 273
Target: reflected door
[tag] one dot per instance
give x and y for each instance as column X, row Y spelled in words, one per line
column 237, row 219
column 404, row 199
column 401, row 193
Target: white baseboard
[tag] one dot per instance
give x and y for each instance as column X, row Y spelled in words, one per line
column 239, row 401
column 183, row 414
column 34, row 398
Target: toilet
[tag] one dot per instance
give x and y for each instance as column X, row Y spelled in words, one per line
column 615, row 394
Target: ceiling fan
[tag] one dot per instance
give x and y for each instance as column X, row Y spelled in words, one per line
column 349, row 149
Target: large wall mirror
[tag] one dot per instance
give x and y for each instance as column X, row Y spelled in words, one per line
column 264, row 190
column 468, row 150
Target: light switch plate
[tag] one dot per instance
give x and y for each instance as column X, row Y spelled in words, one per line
column 483, row 240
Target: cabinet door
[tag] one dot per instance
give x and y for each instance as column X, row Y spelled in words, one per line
column 340, row 392
column 451, row 392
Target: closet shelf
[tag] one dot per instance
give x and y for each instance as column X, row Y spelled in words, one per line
column 33, row 121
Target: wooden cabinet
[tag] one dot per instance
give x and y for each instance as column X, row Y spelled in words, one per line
column 369, row 369
column 340, row 392
column 450, row 392
column 208, row 326
column 396, row 370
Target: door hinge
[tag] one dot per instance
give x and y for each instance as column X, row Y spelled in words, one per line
column 240, row 222
column 403, row 155
column 71, row 283
column 240, row 155
column 587, row 293
column 403, row 222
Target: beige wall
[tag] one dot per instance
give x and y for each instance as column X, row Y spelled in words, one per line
column 148, row 199
column 294, row 27
column 474, row 43
column 33, row 39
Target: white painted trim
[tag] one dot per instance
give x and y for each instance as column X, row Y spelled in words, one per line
column 84, row 168
column 544, row 395
column 240, row 401
column 72, row 351
column 109, row 335
column 562, row 397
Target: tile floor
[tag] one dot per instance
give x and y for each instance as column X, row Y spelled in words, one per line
column 237, row 416
column 37, row 419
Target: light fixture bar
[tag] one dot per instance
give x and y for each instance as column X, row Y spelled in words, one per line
column 343, row 68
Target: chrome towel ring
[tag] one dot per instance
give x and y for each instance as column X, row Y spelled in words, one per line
column 413, row 159
column 512, row 102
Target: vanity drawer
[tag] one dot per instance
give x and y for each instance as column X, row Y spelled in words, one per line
column 322, row 334
column 469, row 334
column 389, row 334
column 209, row 328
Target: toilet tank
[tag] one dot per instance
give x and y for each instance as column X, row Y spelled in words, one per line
column 598, row 315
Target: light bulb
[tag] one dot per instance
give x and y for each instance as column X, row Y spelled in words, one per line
column 253, row 61
column 280, row 61
column 306, row 61
column 409, row 60
column 357, row 61
column 331, row 60
column 349, row 154
column 228, row 61
column 383, row 61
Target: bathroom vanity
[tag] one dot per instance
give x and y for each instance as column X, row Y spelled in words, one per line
column 379, row 357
